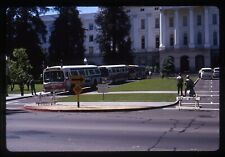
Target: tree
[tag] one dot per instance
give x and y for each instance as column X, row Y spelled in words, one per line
column 67, row 37
column 24, row 28
column 168, row 66
column 113, row 35
column 19, row 65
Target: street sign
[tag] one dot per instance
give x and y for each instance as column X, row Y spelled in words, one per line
column 103, row 88
column 77, row 81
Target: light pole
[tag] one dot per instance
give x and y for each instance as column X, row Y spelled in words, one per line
column 7, row 74
column 85, row 61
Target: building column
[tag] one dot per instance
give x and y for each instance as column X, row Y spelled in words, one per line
column 176, row 30
column 191, row 33
column 135, row 32
column 149, row 36
column 191, row 63
column 162, row 30
column 206, row 15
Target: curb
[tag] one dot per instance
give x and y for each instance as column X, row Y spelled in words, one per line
column 30, row 108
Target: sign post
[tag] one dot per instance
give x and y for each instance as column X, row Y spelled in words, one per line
column 77, row 81
column 103, row 88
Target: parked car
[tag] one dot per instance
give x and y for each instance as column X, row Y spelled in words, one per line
column 206, row 73
column 216, row 72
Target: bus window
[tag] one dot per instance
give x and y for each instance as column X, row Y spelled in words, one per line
column 53, row 76
column 81, row 72
column 97, row 71
column 74, row 72
column 104, row 72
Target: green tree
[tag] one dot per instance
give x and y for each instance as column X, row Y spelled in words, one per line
column 168, row 66
column 113, row 35
column 67, row 37
column 24, row 28
column 19, row 65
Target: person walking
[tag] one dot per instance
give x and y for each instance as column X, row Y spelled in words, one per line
column 32, row 86
column 179, row 84
column 21, row 85
column 189, row 86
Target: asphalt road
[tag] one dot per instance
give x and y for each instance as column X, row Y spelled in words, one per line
column 167, row 129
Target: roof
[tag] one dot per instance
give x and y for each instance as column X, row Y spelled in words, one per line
column 72, row 66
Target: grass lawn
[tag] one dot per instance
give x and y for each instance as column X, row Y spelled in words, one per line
column 121, row 98
column 155, row 84
column 38, row 87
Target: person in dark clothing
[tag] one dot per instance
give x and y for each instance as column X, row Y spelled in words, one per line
column 180, row 85
column 32, row 86
column 189, row 86
column 21, row 85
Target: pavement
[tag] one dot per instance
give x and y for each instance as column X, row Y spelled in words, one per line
column 92, row 106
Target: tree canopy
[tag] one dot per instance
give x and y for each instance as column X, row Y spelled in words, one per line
column 67, row 37
column 19, row 65
column 25, row 29
column 113, row 35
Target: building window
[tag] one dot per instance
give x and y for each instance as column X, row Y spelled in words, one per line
column 128, row 10
column 171, row 22
column 185, row 39
column 91, row 26
column 143, row 42
column 157, row 41
column 184, row 21
column 91, row 38
column 157, row 23
column 142, row 9
column 156, row 8
column 199, row 38
column 215, row 42
column 199, row 20
column 171, row 40
column 91, row 50
column 214, row 19
column 142, row 23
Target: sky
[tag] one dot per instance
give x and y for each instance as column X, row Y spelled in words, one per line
column 82, row 10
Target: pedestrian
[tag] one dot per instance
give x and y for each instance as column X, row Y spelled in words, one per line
column 21, row 85
column 150, row 74
column 32, row 86
column 189, row 86
column 179, row 84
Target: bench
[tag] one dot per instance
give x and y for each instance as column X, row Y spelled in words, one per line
column 196, row 99
column 45, row 99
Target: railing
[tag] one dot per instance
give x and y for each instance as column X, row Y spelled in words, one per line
column 196, row 99
column 46, row 99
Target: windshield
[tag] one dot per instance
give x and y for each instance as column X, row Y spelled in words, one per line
column 104, row 72
column 53, row 76
column 207, row 70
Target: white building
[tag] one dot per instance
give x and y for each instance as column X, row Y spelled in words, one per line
column 190, row 35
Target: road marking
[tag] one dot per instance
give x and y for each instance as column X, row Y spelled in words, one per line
column 208, row 95
column 192, row 108
column 211, row 103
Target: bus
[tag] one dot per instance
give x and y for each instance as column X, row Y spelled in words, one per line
column 136, row 72
column 58, row 78
column 114, row 73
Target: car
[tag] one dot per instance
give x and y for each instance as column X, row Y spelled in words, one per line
column 206, row 73
column 216, row 72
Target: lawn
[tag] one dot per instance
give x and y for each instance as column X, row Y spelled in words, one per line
column 38, row 87
column 155, row 84
column 121, row 98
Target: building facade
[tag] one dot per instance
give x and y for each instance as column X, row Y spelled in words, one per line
column 188, row 34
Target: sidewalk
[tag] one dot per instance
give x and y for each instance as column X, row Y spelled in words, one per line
column 18, row 96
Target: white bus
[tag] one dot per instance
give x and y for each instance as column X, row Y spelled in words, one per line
column 58, row 78
column 114, row 73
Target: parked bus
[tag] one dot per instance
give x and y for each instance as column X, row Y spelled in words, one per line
column 136, row 72
column 114, row 73
column 58, row 78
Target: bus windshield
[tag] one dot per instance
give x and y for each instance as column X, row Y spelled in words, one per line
column 53, row 76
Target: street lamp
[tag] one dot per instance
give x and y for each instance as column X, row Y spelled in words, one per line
column 85, row 61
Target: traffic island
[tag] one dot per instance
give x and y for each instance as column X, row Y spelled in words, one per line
column 63, row 107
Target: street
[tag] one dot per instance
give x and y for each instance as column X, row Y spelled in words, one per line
column 167, row 129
